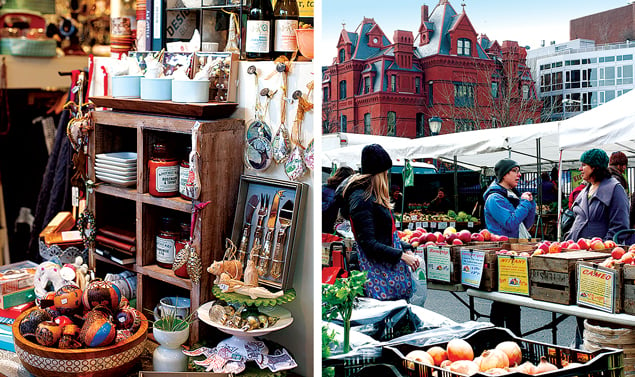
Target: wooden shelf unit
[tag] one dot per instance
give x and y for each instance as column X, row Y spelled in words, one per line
column 220, row 147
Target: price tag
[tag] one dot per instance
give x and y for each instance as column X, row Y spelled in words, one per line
column 453, row 224
column 472, row 262
column 513, row 274
column 414, row 217
column 424, row 224
column 442, row 225
column 470, row 224
column 439, row 264
column 418, row 224
column 433, row 225
column 596, row 287
column 397, row 224
column 411, row 226
column 75, row 196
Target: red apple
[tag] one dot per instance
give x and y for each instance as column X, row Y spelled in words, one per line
column 609, row 244
column 555, row 248
column 429, row 243
column 617, row 252
column 430, row 237
column 538, row 252
column 524, row 254
column 597, row 244
column 544, row 246
column 494, row 238
column 422, row 230
column 596, row 239
column 486, row 234
column 627, row 258
column 457, row 241
column 440, row 236
column 450, row 237
column 573, row 246
column 632, row 248
column 465, row 235
column 478, row 237
column 583, row 243
column 503, row 238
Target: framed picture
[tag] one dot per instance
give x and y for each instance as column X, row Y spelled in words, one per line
column 268, row 213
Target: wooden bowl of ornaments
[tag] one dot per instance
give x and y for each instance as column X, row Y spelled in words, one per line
column 110, row 361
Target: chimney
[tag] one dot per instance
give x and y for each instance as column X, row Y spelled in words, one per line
column 424, row 13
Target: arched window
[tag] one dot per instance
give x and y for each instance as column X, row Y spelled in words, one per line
column 343, row 89
column 464, row 47
column 342, row 55
column 392, row 124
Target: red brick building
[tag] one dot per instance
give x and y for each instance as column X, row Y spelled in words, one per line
column 446, row 71
column 612, row 26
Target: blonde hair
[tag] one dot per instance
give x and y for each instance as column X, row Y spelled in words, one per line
column 374, row 185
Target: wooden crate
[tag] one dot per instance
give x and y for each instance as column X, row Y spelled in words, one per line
column 553, row 276
column 455, row 265
column 489, row 278
column 629, row 288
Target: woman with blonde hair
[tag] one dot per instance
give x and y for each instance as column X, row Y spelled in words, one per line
column 366, row 199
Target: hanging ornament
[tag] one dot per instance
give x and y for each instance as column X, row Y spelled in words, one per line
column 233, row 34
column 294, row 167
column 193, row 184
column 308, row 155
column 281, row 142
column 258, row 151
column 188, row 256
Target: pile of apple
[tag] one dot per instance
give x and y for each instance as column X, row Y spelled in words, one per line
column 458, row 357
column 551, row 247
column 450, row 236
column 619, row 255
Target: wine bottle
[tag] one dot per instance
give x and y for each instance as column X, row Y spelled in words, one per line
column 286, row 15
column 259, row 30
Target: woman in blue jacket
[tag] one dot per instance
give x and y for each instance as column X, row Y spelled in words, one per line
column 507, row 213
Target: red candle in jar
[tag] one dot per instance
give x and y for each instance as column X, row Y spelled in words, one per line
column 164, row 172
column 180, row 244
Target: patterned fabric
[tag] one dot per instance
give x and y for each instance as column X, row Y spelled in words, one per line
column 386, row 281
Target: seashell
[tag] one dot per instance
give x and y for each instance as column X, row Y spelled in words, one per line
column 263, row 320
column 29, row 324
column 281, row 145
column 217, row 314
column 48, row 333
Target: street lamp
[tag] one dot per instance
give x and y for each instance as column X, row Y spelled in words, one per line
column 435, row 125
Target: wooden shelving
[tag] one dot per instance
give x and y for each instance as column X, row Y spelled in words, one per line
column 220, row 147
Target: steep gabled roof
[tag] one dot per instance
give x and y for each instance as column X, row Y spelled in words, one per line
column 361, row 50
column 347, row 37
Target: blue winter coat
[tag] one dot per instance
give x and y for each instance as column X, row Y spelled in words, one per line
column 504, row 213
column 602, row 216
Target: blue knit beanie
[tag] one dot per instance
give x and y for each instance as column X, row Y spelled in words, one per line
column 595, row 157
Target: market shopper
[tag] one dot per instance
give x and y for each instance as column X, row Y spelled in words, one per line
column 508, row 213
column 381, row 253
column 440, row 203
column 549, row 189
column 602, row 207
column 330, row 207
column 617, row 167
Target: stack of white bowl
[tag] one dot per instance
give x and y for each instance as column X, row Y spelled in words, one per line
column 118, row 168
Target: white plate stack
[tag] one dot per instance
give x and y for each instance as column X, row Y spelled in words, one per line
column 119, row 168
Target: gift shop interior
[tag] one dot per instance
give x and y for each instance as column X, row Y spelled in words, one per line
column 156, row 164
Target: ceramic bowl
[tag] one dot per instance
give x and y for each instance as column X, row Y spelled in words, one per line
column 305, row 42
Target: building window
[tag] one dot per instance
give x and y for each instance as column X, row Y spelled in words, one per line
column 342, row 55
column 525, row 90
column 393, row 83
column 343, row 89
column 367, row 123
column 366, row 84
column 463, row 95
column 430, row 94
column 417, row 85
column 462, row 125
column 494, row 89
column 392, row 124
column 464, row 47
column 494, row 124
column 421, row 125
column 343, row 123
column 556, row 81
column 325, row 94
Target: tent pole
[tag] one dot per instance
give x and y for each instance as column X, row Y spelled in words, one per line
column 539, row 223
column 559, row 197
column 456, row 185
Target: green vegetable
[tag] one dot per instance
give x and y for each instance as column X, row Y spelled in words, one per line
column 451, row 213
column 339, row 298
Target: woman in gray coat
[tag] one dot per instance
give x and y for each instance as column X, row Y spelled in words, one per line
column 602, row 208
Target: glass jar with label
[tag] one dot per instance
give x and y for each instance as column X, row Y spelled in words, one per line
column 166, row 239
column 180, row 244
column 184, row 171
column 164, row 172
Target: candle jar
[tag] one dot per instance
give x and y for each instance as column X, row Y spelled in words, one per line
column 180, row 244
column 184, row 171
column 164, row 172
column 166, row 239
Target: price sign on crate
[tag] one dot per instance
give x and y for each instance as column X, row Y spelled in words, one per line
column 453, row 224
column 418, row 224
column 439, row 263
column 513, row 274
column 596, row 287
column 472, row 262
column 411, row 226
column 424, row 224
column 442, row 225
column 470, row 224
column 433, row 225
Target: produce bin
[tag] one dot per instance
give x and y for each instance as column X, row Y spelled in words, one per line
column 606, row 362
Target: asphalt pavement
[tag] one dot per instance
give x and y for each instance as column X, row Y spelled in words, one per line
column 446, row 304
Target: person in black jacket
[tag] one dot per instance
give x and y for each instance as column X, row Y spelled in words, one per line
column 330, row 207
column 366, row 202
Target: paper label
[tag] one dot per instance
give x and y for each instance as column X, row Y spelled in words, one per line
column 258, row 36
column 167, row 178
column 183, row 174
column 285, row 35
column 442, row 225
column 166, row 249
column 439, row 263
column 418, row 224
column 472, row 262
column 596, row 287
column 513, row 274
column 424, row 224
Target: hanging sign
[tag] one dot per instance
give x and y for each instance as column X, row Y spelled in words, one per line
column 472, row 262
column 513, row 275
column 596, row 287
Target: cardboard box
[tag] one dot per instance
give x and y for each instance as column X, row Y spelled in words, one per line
column 17, row 298
column 16, row 276
column 62, row 222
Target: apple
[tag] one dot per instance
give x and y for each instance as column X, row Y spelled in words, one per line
column 627, row 258
column 457, row 241
column 555, row 248
column 450, row 237
column 422, row 230
column 617, row 252
column 502, row 252
column 597, row 244
column 449, row 230
column 544, row 246
column 440, row 236
column 573, row 246
column 417, row 233
column 429, row 243
column 431, row 237
column 596, row 239
column 465, row 235
column 503, row 238
column 494, row 238
column 477, row 237
column 524, row 254
column 632, row 248
column 583, row 243
column 538, row 252
column 609, row 244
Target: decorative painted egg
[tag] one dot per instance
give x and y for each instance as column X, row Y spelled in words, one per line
column 63, row 320
column 128, row 318
column 71, row 330
column 123, row 335
column 48, row 333
column 68, row 299
column 100, row 292
column 70, row 334
column 29, row 324
column 97, row 330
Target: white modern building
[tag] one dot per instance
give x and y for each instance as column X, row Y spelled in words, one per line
column 576, row 76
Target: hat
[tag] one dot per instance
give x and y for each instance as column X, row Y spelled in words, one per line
column 503, row 167
column 618, row 158
column 595, row 157
column 375, row 159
